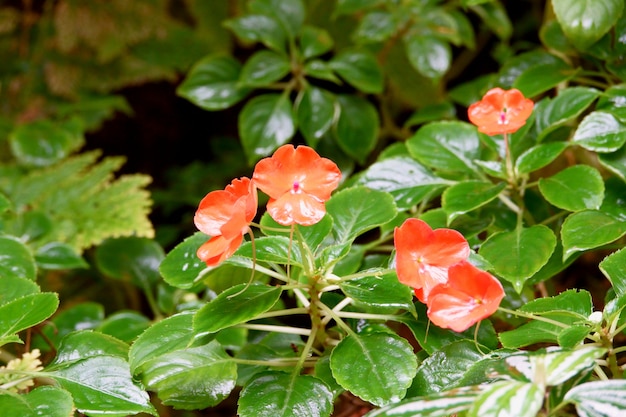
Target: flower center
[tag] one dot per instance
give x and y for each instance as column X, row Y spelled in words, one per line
column 295, row 189
column 503, row 120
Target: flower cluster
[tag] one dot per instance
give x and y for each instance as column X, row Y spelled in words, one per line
column 14, row 382
column 434, row 263
column 500, row 111
column 298, row 182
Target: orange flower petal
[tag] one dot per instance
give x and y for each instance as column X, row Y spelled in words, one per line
column 293, row 208
column 423, row 255
column 469, row 296
column 218, row 249
column 500, row 111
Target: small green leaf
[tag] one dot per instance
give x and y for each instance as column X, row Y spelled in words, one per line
column 57, row 255
column 614, row 269
column 614, row 101
column 466, row 196
column 88, row 344
column 321, row 70
column 263, row 68
column 540, row 78
column 358, row 209
column 265, row 123
column 357, row 126
column 124, row 325
column 575, row 188
column 506, row 397
column 259, row 28
column 43, row 143
column 615, row 162
column 45, row 401
column 25, row 312
column 277, row 249
column 179, row 376
column 589, row 229
column 290, row 13
column 35, row 225
column 5, row 203
column 212, row 83
column 439, row 405
column 235, row 305
column 431, row 113
column 404, row 178
column 570, row 103
column 16, row 260
column 375, row 26
column 446, row 145
column 312, row 236
column 495, row 18
column 599, row 398
column 360, row 69
column 352, row 6
column 280, row 394
column 431, row 56
column 572, row 336
column 83, row 316
column 585, row 21
column 316, row 110
column 314, row 41
column 103, row 385
column 600, row 132
column 387, row 360
column 132, row 259
column 12, row 288
column 382, row 294
column 181, row 267
column 539, row 156
column 517, row 255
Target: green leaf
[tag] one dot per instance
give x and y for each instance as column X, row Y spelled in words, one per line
column 124, row 325
column 408, row 181
column 290, row 13
column 357, row 126
column 314, row 41
column 12, row 288
column 600, row 132
column 506, row 397
column 313, row 236
column 165, row 336
column 614, row 101
column 589, row 229
column 387, row 360
column 103, row 385
column 517, row 255
column 56, row 255
column 235, row 305
column 495, row 18
column 381, row 293
column 181, row 267
column 316, row 110
column 212, row 83
column 360, row 69
column 431, row 113
column 614, row 269
column 277, row 249
column 431, row 56
column 280, row 394
column 539, row 156
column 131, row 259
column 446, row 145
column 571, row 337
column 615, row 162
column 265, row 123
column 375, row 26
column 599, row 398
column 16, row 260
column 466, row 196
column 358, row 209
column 25, row 312
column 259, row 28
column 554, row 39
column 43, row 143
column 179, row 376
column 554, row 368
column 541, row 78
column 35, row 225
column 38, row 403
column 575, row 188
column 5, row 204
column 88, row 344
column 320, row 69
column 351, row 6
column 585, row 21
column 439, row 405
column 83, row 316
column 569, row 104
column 263, row 68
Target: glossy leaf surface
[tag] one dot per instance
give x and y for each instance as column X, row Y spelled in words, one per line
column 589, row 229
column 586, row 21
column 45, row 401
column 575, row 188
column 599, row 398
column 181, row 267
column 357, row 126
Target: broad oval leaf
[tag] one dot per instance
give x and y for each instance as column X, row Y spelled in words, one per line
column 43, row 143
column 585, row 21
column 45, row 401
column 281, row 394
column 575, row 188
column 357, row 126
column 517, row 255
column 429, row 55
column 132, row 259
column 314, row 41
column 570, row 103
column 259, row 28
column 513, row 398
column 235, row 305
column 179, row 376
column 438, row 405
column 57, row 255
column 387, row 360
column 87, row 344
column 599, row 398
column 614, row 269
column 360, row 69
column 181, row 267
column 316, row 110
column 375, row 26
column 358, row 209
column 212, row 83
column 447, row 145
column 16, row 260
column 125, row 325
column 615, row 162
column 265, row 123
column 467, row 196
column 600, row 132
column 25, row 312
column 103, row 385
column 278, row 249
column 539, row 156
column 264, row 68
column 540, row 78
column 589, row 229
column 384, row 294
column 12, row 288
column 290, row 13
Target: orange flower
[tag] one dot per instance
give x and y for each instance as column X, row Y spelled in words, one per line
column 469, row 296
column 423, row 255
column 225, row 215
column 500, row 111
column 298, row 182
